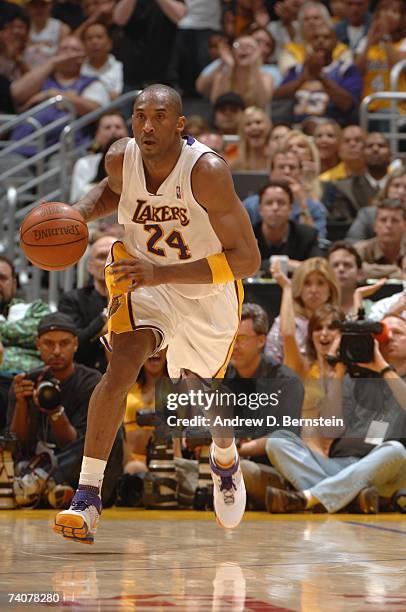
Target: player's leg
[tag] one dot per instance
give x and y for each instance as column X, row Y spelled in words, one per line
column 105, row 414
column 203, row 345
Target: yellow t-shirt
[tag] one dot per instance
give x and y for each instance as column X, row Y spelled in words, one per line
column 334, row 174
column 295, row 53
column 136, row 402
column 377, row 75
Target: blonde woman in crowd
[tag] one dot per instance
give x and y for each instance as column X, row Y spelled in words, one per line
column 327, row 136
column 301, row 145
column 313, row 284
column 253, row 149
column 240, row 72
column 311, row 365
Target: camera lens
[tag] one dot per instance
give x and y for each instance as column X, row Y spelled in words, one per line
column 49, row 395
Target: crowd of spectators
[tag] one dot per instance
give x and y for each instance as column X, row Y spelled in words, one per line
column 275, row 89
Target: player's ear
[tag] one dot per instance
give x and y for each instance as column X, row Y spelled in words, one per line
column 181, row 124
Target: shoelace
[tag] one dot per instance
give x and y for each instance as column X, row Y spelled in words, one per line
column 80, row 505
column 226, row 487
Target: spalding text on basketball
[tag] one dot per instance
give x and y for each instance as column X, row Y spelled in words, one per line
column 65, row 230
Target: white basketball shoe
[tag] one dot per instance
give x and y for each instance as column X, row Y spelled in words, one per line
column 79, row 522
column 229, row 494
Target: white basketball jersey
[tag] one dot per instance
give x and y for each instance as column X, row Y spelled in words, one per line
column 169, row 227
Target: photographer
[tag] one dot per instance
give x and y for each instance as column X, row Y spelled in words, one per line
column 48, row 412
column 369, row 459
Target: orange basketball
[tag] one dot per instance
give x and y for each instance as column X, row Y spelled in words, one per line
column 53, row 236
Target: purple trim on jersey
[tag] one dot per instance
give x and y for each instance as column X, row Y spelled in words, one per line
column 189, row 139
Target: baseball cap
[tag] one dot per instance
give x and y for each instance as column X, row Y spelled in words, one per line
column 56, row 321
column 229, row 99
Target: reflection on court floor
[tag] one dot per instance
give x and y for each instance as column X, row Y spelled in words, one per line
column 182, row 561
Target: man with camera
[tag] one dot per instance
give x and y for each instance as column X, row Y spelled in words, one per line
column 367, row 463
column 48, row 412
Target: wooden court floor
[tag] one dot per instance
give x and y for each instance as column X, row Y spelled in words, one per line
column 182, row 561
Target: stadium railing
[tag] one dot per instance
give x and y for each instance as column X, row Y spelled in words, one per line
column 391, row 119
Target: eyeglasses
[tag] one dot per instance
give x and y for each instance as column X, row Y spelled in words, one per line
column 244, row 338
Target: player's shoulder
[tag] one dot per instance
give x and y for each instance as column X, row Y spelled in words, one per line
column 115, row 156
column 209, row 166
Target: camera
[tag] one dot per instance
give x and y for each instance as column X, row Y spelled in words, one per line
column 48, row 389
column 357, row 341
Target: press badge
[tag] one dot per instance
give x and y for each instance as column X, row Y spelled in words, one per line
column 376, row 432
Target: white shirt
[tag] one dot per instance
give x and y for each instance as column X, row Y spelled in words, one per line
column 202, row 15
column 110, row 74
column 97, row 92
column 382, row 307
column 84, row 171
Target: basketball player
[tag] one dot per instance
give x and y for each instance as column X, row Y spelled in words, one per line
column 174, row 281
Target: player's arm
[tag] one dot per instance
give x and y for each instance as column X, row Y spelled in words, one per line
column 103, row 199
column 213, row 188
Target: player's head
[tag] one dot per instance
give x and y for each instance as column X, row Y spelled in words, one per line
column 157, row 121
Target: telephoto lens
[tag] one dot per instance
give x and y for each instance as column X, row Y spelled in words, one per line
column 49, row 395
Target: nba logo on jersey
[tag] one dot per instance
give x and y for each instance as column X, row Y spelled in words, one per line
column 178, row 193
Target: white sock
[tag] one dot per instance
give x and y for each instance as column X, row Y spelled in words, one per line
column 92, row 472
column 224, row 456
column 310, row 499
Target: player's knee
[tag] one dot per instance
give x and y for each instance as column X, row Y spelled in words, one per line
column 122, row 374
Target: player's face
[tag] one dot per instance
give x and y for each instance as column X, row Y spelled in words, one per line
column 7, row 284
column 156, row 126
column 57, row 349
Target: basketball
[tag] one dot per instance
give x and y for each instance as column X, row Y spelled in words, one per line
column 53, row 236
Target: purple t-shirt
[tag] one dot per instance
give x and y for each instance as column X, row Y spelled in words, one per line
column 312, row 99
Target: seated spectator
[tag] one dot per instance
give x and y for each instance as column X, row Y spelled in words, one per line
column 362, row 464
column 59, row 75
column 248, row 363
column 87, row 307
column 141, row 397
column 347, row 266
column 277, row 234
column 285, row 30
column 327, row 136
column 266, row 44
column 13, row 40
column 394, row 304
column 362, row 227
column 351, row 150
column 313, row 284
column 312, row 367
column 301, row 145
column 384, row 46
column 381, row 256
column 94, row 11
column 253, row 152
column 214, row 140
column 358, row 191
column 195, row 125
column 110, row 126
column 353, row 29
column 45, row 35
column 61, row 427
column 279, row 131
column 18, row 330
column 239, row 15
column 241, row 74
column 217, row 49
column 286, row 166
column 322, row 86
column 143, row 24
column 99, row 61
column 227, row 111
column 312, row 17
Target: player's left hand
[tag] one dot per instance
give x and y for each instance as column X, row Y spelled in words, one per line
column 141, row 273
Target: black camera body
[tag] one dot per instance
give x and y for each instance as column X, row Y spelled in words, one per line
column 48, row 388
column 357, row 341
